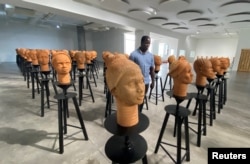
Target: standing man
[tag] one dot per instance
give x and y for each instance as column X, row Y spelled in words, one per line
column 145, row 60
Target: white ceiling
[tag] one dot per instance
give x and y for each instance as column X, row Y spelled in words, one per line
column 198, row 18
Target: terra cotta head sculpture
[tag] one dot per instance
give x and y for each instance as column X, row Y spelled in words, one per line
column 204, row 70
column 216, row 63
column 126, row 83
column 43, row 60
column 61, row 62
column 180, row 71
column 80, row 59
column 158, row 63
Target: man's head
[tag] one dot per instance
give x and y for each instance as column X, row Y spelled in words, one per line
column 145, row 43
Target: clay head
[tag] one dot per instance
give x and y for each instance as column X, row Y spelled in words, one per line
column 80, row 59
column 171, row 59
column 124, row 80
column 204, row 70
column 61, row 62
column 203, row 67
column 180, row 71
column 93, row 54
column 224, row 63
column 158, row 63
column 72, row 54
column 43, row 59
column 88, row 57
column 216, row 64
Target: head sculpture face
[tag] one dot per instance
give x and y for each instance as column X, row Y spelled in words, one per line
column 80, row 59
column 43, row 59
column 203, row 68
column 126, row 83
column 61, row 62
column 158, row 63
column 125, row 80
column 180, row 71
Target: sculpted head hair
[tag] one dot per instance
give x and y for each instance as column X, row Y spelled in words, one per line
column 178, row 67
column 117, row 66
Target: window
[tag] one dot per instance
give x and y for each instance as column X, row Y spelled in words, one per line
column 129, row 41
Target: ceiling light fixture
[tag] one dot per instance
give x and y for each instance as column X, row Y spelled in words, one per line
column 149, row 10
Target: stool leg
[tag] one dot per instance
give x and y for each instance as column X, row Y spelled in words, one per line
column 165, row 82
column 211, row 113
column 187, row 139
column 65, row 111
column 88, row 84
column 33, row 85
column 178, row 160
column 156, row 97
column 60, row 127
column 162, row 94
column 47, row 93
column 80, row 119
column 225, row 91
column 219, row 99
column 199, row 123
column 42, row 99
column 80, row 89
column 149, row 96
column 145, row 160
column 37, row 83
column 204, row 118
column 161, row 132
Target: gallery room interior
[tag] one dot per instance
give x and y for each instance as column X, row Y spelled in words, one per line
column 47, row 120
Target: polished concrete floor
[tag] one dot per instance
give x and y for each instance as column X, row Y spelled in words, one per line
column 28, row 138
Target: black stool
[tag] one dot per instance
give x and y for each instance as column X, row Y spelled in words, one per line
column 126, row 145
column 200, row 105
column 83, row 75
column 62, row 99
column 157, row 95
column 181, row 116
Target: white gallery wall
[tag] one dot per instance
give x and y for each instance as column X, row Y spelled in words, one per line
column 19, row 35
column 217, row 47
column 111, row 40
column 242, row 44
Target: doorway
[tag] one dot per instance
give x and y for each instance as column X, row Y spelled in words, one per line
column 244, row 63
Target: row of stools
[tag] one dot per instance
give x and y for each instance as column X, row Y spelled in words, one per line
column 215, row 88
column 31, row 72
